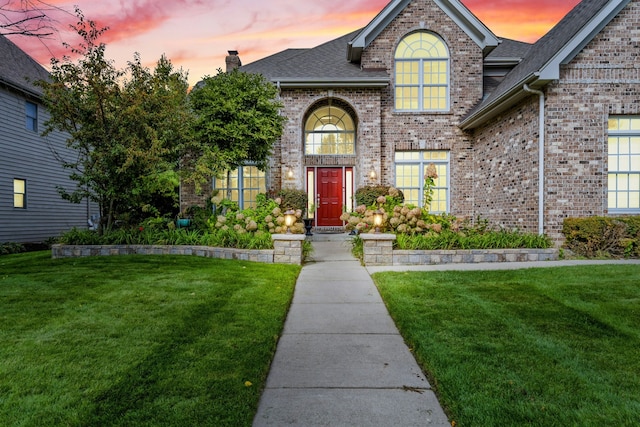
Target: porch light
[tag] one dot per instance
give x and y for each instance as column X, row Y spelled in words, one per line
column 377, row 220
column 372, row 175
column 289, row 219
column 289, row 173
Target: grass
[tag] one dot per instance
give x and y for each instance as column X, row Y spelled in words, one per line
column 540, row 347
column 144, row 341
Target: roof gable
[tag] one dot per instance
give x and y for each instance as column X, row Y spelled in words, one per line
column 18, row 70
column 542, row 62
column 466, row 20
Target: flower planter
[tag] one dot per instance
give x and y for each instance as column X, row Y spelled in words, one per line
column 183, row 222
column 308, row 225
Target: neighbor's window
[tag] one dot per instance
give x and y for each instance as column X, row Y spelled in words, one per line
column 330, row 130
column 19, row 193
column 410, row 170
column 624, row 164
column 31, row 110
column 422, row 73
column 244, row 184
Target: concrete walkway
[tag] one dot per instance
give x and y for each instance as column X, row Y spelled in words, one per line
column 341, row 360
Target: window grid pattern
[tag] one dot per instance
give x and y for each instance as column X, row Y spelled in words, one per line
column 410, row 168
column 244, row 185
column 330, row 130
column 421, row 73
column 624, row 165
column 19, row 193
column 31, row 111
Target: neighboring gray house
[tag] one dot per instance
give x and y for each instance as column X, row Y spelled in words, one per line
column 31, row 210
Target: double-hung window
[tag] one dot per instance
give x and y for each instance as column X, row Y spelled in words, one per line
column 242, row 185
column 19, row 193
column 31, row 111
column 422, row 73
column 411, row 167
column 624, row 164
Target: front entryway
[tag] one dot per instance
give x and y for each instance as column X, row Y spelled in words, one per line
column 333, row 191
column 329, row 185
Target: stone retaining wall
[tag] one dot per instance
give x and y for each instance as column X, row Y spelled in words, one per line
column 67, row 251
column 378, row 250
column 287, row 250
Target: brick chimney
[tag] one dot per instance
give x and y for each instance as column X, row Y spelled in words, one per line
column 233, row 61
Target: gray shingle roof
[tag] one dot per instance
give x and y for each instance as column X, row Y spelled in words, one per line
column 327, row 62
column 19, row 70
column 545, row 50
column 510, row 49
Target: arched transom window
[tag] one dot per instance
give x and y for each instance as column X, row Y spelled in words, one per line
column 329, row 130
column 422, row 73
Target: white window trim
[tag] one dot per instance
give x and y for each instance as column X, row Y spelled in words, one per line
column 24, row 194
column 620, row 133
column 241, row 187
column 421, row 86
column 422, row 164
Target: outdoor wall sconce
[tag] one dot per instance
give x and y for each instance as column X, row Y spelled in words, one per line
column 377, row 220
column 289, row 173
column 372, row 175
column 289, row 219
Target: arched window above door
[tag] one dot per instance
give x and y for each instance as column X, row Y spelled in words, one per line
column 422, row 73
column 329, row 130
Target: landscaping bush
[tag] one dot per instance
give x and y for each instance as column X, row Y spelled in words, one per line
column 292, row 199
column 9, row 248
column 418, row 229
column 241, row 229
column 603, row 236
column 368, row 195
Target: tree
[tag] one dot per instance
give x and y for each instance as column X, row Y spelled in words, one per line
column 26, row 18
column 237, row 122
column 128, row 126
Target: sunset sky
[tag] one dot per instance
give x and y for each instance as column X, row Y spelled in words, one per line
column 196, row 34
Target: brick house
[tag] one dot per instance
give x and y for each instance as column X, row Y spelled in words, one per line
column 522, row 135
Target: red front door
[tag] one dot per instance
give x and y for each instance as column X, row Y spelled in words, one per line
column 330, row 192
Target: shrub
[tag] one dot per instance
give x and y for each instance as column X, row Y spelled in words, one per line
column 369, row 194
column 292, row 199
column 9, row 248
column 418, row 229
column 603, row 236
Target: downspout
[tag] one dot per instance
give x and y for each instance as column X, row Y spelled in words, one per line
column 541, row 144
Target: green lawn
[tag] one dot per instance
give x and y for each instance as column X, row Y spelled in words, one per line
column 541, row 347
column 144, row 341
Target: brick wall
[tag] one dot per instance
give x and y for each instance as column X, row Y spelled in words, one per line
column 365, row 104
column 505, row 187
column 602, row 80
column 426, row 131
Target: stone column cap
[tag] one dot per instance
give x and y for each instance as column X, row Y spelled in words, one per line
column 288, row 236
column 377, row 236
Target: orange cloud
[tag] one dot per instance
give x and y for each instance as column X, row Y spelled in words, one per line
column 520, row 19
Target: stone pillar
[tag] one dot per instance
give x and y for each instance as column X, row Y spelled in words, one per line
column 378, row 248
column 287, row 248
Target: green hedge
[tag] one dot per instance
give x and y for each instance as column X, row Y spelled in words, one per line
column 367, row 195
column 603, row 236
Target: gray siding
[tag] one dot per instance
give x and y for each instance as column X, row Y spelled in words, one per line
column 28, row 155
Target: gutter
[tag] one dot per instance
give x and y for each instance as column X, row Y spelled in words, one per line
column 332, row 83
column 20, row 88
column 497, row 105
column 541, row 146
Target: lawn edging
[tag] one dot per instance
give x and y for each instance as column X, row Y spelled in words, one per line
column 287, row 250
column 378, row 250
